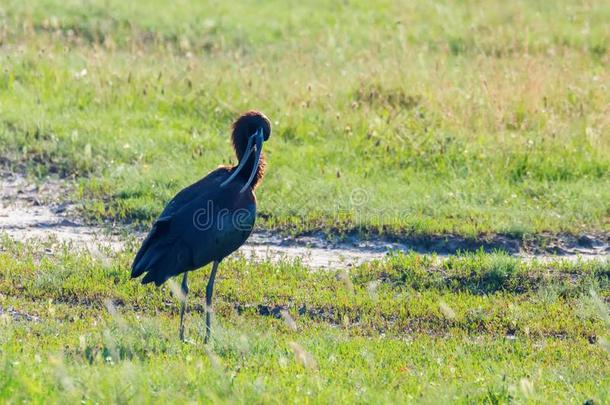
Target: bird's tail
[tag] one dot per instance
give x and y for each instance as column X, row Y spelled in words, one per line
column 161, row 261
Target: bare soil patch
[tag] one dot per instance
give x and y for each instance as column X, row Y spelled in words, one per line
column 41, row 212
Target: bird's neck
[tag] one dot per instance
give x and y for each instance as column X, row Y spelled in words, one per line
column 247, row 170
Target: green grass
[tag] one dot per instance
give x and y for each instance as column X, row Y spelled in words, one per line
column 405, row 329
column 402, row 118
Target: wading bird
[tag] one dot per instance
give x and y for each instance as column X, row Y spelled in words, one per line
column 208, row 220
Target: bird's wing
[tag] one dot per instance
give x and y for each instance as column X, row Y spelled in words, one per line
column 156, row 234
column 213, row 225
column 195, row 191
column 160, row 236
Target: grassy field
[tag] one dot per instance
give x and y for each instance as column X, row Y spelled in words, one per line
column 476, row 328
column 403, row 118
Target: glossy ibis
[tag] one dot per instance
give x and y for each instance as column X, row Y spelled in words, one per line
column 208, row 220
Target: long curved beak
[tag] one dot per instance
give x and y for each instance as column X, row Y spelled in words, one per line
column 258, row 148
column 257, row 140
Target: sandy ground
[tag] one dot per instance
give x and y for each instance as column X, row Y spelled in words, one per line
column 32, row 212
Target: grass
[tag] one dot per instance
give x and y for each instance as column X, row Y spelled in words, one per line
column 400, row 118
column 404, row 329
column 405, row 118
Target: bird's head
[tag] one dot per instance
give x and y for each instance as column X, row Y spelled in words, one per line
column 250, row 124
column 250, row 130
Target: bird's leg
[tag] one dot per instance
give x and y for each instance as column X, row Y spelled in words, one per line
column 209, row 291
column 185, row 291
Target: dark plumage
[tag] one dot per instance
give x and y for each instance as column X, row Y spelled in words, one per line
column 210, row 219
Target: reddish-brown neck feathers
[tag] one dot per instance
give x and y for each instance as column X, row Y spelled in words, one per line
column 246, row 125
